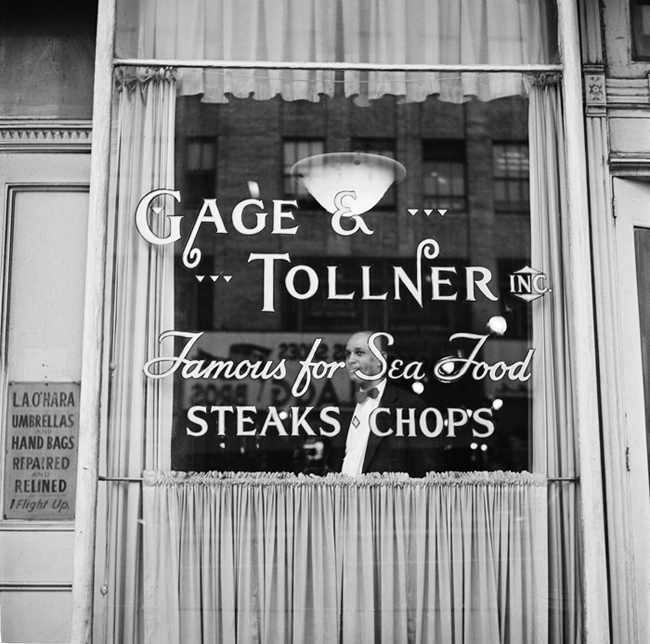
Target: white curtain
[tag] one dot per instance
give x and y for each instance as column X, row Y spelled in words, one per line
column 465, row 32
column 140, row 413
column 554, row 441
column 267, row 558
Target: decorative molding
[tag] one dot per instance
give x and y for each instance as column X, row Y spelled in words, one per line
column 629, row 164
column 51, row 135
column 595, row 93
column 628, row 92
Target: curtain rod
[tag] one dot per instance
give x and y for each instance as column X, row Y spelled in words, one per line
column 125, row 479
column 372, row 67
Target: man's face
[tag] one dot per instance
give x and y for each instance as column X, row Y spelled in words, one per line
column 358, row 356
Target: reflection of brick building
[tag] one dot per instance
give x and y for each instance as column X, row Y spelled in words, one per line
column 470, row 160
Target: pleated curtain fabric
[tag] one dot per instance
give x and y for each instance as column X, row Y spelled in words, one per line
column 268, row 558
column 466, row 32
column 140, row 411
column 554, row 440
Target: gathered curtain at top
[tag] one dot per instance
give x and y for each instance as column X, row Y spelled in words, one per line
column 140, row 413
column 467, row 32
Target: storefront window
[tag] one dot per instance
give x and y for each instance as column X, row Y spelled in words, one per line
column 400, row 228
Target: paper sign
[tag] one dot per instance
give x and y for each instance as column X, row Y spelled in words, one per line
column 41, row 450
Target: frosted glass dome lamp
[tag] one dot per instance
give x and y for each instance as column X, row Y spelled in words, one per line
column 369, row 176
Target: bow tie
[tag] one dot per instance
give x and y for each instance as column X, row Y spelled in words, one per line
column 361, row 395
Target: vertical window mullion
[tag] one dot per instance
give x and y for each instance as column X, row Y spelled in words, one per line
column 93, row 377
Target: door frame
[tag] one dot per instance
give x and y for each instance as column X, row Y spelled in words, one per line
column 630, row 213
column 38, row 554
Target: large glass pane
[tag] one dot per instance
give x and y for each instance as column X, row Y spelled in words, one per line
column 299, row 287
column 340, row 243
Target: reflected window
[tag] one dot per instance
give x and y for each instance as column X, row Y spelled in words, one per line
column 294, row 150
column 511, row 181
column 443, row 168
column 200, row 178
column 384, row 148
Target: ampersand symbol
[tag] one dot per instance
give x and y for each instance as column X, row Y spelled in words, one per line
column 344, row 211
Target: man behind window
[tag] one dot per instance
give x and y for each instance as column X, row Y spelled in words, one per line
column 381, row 450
